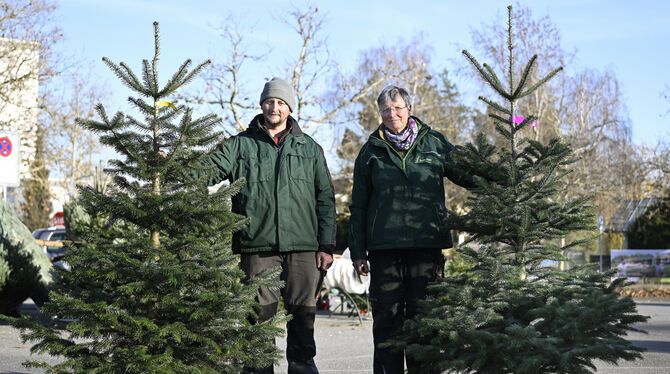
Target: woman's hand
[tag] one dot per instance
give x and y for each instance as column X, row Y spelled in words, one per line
column 361, row 267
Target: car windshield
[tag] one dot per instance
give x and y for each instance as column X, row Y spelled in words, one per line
column 38, row 233
column 56, row 236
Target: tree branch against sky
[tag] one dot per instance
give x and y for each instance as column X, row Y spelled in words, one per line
column 72, row 149
column 583, row 105
column 68, row 150
column 608, row 36
column 30, row 22
column 224, row 83
column 308, row 66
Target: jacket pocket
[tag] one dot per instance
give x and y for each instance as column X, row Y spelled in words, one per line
column 301, row 167
column 250, row 168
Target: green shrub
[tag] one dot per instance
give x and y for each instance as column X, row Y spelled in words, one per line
column 24, row 267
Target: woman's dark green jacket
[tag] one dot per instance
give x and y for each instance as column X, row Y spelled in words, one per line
column 398, row 201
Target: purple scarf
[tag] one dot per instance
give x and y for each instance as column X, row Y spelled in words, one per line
column 405, row 139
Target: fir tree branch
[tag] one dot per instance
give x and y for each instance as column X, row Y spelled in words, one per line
column 499, row 119
column 524, row 77
column 123, row 72
column 190, row 76
column 176, row 79
column 526, row 121
column 539, row 83
column 149, row 79
column 484, row 74
column 510, row 48
column 495, row 105
column 153, row 76
column 145, row 108
column 496, row 82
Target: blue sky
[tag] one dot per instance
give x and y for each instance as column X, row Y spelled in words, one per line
column 629, row 38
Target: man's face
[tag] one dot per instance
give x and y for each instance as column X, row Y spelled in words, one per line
column 395, row 114
column 275, row 111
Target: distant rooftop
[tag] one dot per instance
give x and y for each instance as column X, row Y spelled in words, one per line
column 628, row 212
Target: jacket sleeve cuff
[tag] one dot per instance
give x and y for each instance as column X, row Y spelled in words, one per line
column 326, row 248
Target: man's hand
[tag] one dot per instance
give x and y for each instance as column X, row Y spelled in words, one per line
column 323, row 260
column 361, row 267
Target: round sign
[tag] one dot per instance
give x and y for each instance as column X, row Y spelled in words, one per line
column 5, row 147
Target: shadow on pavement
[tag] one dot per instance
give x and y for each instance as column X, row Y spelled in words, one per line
column 653, row 304
column 653, row 345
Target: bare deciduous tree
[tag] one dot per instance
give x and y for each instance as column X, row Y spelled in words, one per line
column 224, row 82
column 309, row 69
column 28, row 60
column 583, row 105
column 26, row 25
column 72, row 151
column 657, row 168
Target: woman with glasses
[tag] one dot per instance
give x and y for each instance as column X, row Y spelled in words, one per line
column 397, row 218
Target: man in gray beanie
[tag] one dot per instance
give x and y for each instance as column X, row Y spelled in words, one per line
column 280, row 89
column 290, row 200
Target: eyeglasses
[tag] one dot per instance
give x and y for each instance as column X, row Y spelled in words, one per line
column 395, row 109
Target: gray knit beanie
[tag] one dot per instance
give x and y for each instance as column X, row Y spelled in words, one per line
column 279, row 89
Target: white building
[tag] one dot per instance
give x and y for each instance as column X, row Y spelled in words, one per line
column 19, row 81
column 19, row 71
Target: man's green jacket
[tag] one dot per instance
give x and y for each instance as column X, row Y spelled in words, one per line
column 398, row 200
column 288, row 194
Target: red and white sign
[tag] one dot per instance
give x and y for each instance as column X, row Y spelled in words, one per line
column 5, row 147
column 10, row 159
column 58, row 219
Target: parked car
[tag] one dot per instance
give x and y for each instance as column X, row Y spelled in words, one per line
column 48, row 239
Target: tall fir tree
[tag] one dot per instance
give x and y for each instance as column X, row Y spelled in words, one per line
column 154, row 286
column 36, row 204
column 508, row 312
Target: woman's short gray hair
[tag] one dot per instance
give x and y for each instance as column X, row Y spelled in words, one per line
column 389, row 93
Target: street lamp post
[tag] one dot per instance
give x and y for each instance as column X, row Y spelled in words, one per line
column 601, row 227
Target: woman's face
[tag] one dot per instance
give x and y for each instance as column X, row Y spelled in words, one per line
column 395, row 114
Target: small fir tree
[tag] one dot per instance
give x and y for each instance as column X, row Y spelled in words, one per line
column 508, row 313
column 154, row 286
column 36, row 204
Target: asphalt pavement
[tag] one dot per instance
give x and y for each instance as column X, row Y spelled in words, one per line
column 345, row 346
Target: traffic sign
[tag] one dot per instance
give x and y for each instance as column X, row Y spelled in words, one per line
column 10, row 159
column 5, row 147
column 58, row 219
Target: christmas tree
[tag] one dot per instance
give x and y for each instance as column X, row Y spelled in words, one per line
column 154, row 285
column 509, row 312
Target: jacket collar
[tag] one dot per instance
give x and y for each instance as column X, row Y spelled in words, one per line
column 258, row 124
